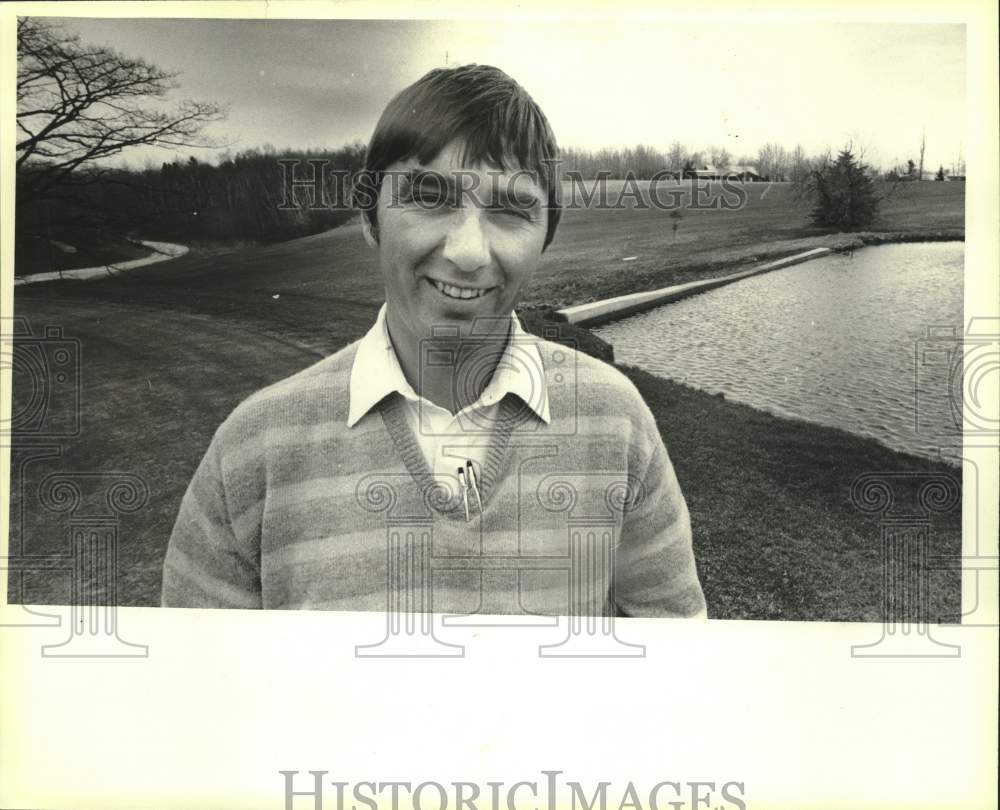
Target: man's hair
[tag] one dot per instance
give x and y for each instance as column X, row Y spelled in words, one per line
column 482, row 107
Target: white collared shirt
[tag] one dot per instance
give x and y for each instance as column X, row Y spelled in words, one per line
column 446, row 440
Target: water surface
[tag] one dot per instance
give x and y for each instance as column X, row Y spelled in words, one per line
column 841, row 341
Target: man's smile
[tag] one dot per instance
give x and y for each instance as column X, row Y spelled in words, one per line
column 456, row 292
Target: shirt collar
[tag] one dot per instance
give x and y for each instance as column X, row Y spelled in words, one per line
column 376, row 373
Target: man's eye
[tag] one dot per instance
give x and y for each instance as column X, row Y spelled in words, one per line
column 520, row 213
column 424, row 197
column 431, row 199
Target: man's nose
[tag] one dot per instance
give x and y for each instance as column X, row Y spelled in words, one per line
column 466, row 245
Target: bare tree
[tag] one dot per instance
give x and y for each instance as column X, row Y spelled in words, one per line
column 719, row 157
column 799, row 165
column 772, row 161
column 676, row 157
column 78, row 104
column 923, row 145
column 958, row 167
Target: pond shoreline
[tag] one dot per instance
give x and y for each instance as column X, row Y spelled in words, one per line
column 598, row 313
column 864, row 238
column 841, row 242
column 832, row 343
column 540, row 315
column 777, row 534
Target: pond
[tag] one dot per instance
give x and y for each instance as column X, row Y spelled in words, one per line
column 841, row 340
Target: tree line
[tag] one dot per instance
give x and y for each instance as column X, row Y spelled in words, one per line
column 247, row 197
column 240, row 199
column 772, row 161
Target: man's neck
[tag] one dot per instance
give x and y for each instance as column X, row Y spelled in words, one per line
column 456, row 385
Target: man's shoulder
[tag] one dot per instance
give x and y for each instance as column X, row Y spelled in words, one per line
column 573, row 374
column 589, row 397
column 317, row 393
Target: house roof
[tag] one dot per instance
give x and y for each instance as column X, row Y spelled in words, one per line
column 708, row 168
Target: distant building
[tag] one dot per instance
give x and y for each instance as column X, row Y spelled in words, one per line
column 744, row 173
column 709, row 172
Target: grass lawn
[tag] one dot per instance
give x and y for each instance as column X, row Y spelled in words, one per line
column 776, row 535
column 167, row 351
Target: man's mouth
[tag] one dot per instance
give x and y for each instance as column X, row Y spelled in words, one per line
column 459, row 293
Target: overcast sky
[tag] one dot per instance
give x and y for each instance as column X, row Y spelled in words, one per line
column 324, row 82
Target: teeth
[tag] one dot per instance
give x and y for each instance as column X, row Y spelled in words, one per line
column 458, row 292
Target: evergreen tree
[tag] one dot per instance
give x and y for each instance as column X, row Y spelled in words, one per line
column 845, row 194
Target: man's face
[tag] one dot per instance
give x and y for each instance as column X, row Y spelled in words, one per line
column 456, row 244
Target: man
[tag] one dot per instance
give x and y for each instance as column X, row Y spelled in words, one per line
column 448, row 461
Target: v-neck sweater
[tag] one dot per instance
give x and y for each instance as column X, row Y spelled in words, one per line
column 446, row 440
column 290, row 508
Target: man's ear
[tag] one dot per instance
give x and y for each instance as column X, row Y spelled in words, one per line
column 369, row 230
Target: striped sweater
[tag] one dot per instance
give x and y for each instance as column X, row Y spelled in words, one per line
column 290, row 508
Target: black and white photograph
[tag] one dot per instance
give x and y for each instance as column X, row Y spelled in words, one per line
column 527, row 327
